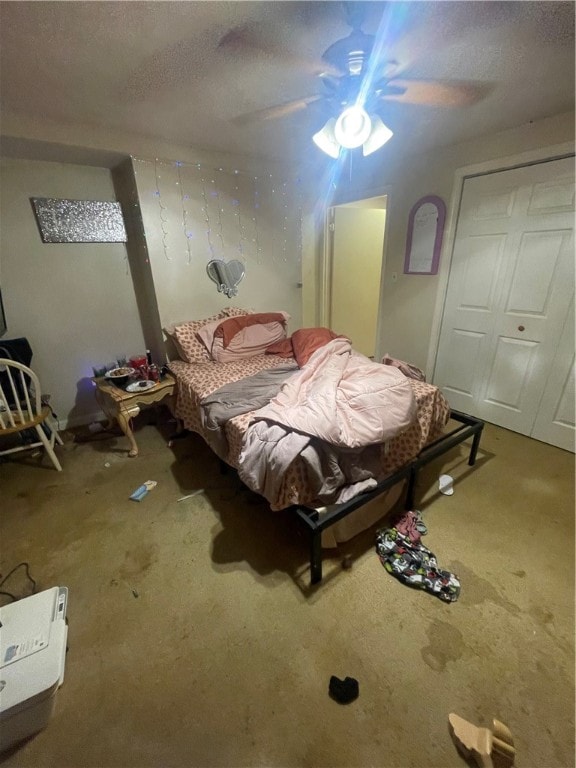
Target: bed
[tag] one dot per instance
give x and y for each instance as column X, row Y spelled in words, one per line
column 246, row 388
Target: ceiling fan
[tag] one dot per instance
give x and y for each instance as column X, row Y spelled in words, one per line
column 353, row 71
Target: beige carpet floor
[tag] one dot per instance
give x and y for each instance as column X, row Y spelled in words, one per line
column 195, row 640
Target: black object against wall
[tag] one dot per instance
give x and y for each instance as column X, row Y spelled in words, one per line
column 20, row 351
column 3, row 325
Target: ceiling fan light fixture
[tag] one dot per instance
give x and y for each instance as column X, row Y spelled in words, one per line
column 352, row 127
column 326, row 140
column 379, row 135
column 370, row 133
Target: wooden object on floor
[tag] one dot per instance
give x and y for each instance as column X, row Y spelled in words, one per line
column 123, row 406
column 21, row 409
column 489, row 748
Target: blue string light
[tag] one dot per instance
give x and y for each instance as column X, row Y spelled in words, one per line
column 290, row 216
column 184, row 197
column 163, row 209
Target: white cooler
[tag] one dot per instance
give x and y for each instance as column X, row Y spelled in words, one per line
column 33, row 636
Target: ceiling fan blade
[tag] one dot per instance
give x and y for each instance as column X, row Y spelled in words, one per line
column 243, row 40
column 434, row 94
column 279, row 110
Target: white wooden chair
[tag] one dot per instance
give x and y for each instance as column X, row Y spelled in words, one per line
column 21, row 409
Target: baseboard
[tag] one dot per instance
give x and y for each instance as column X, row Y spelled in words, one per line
column 81, row 420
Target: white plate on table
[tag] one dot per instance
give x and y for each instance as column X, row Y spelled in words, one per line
column 140, row 386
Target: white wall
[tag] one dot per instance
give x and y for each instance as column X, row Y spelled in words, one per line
column 193, row 213
column 74, row 302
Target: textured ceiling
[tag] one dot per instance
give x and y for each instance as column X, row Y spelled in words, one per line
column 156, row 68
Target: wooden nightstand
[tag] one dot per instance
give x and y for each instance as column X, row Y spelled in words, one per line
column 124, row 406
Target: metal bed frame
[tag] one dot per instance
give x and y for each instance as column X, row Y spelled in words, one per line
column 316, row 521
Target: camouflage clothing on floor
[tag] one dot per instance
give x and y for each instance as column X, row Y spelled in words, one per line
column 406, row 558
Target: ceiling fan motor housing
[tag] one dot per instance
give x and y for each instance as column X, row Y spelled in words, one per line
column 350, row 54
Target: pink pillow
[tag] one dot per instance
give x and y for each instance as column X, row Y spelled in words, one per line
column 227, row 333
column 189, row 347
column 249, row 342
column 306, row 341
column 282, row 348
column 206, row 333
column 229, row 328
column 183, row 335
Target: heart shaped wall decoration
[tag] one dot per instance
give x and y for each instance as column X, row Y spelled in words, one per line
column 226, row 275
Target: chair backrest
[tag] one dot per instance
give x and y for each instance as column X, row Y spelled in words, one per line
column 20, row 402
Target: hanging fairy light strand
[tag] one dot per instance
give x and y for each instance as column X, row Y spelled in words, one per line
column 206, row 210
column 216, row 193
column 183, row 197
column 139, row 218
column 272, row 203
column 298, row 203
column 280, row 242
column 256, row 238
column 163, row 209
column 237, row 214
column 285, row 222
column 206, row 167
column 137, row 238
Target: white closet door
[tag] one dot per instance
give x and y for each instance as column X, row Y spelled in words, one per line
column 556, row 418
column 510, row 289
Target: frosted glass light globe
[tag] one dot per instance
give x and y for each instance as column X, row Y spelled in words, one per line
column 352, row 127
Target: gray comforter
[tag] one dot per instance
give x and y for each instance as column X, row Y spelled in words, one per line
column 249, row 394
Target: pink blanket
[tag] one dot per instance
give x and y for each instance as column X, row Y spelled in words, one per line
column 343, row 398
column 339, row 401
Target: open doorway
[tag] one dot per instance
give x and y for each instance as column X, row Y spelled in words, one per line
column 353, row 270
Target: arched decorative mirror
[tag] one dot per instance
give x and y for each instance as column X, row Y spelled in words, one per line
column 424, row 239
